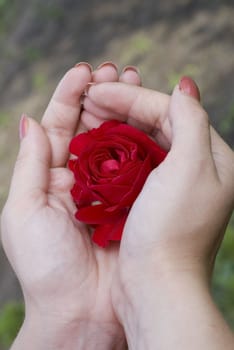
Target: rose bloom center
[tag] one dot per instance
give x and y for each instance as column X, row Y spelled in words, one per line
column 110, row 165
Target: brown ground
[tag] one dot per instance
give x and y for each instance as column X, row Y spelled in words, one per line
column 166, row 39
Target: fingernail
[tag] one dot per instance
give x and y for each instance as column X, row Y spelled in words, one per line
column 106, row 64
column 131, row 68
column 86, row 64
column 188, row 86
column 86, row 90
column 23, row 126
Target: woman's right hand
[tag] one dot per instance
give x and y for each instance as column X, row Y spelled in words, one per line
column 65, row 278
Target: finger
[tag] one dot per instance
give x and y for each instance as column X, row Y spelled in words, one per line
column 90, row 116
column 191, row 144
column 223, row 157
column 143, row 108
column 130, row 75
column 61, row 117
column 100, row 113
column 60, row 184
column 194, row 140
column 190, row 124
column 31, row 172
column 90, row 121
column 61, row 181
column 107, row 71
column 218, row 145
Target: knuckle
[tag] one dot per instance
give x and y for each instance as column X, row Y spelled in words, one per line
column 57, row 126
column 198, row 113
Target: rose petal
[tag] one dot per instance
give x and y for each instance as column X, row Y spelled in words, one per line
column 113, row 163
column 82, row 197
column 110, row 193
column 95, row 214
column 79, row 143
column 138, row 184
column 72, row 164
column 139, row 137
column 108, row 125
column 117, row 229
column 109, row 166
column 103, row 234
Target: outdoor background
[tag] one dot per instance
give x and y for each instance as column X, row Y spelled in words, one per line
column 41, row 39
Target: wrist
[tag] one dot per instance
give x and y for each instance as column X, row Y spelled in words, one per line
column 57, row 333
column 145, row 291
column 168, row 308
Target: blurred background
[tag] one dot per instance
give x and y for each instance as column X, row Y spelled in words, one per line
column 41, row 39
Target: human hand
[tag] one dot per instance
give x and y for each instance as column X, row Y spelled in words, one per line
column 64, row 277
column 177, row 223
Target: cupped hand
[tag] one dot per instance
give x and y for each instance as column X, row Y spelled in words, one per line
column 178, row 221
column 65, row 278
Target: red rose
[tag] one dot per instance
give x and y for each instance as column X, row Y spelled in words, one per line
column 112, row 166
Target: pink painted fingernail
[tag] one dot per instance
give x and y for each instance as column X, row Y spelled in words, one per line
column 188, row 86
column 131, row 68
column 86, row 90
column 23, row 126
column 108, row 64
column 86, row 64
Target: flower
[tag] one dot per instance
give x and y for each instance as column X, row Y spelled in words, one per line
column 112, row 164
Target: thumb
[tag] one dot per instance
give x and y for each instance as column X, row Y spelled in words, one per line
column 31, row 172
column 189, row 122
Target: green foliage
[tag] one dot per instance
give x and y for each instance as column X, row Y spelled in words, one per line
column 49, row 11
column 4, row 119
column 139, row 44
column 32, row 54
column 7, row 11
column 223, row 281
column 11, row 319
column 227, row 124
column 3, row 4
column 39, row 81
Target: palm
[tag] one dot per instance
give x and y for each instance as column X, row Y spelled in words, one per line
column 73, row 266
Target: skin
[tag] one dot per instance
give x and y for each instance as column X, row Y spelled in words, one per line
column 64, row 277
column 151, row 274
column 162, row 290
